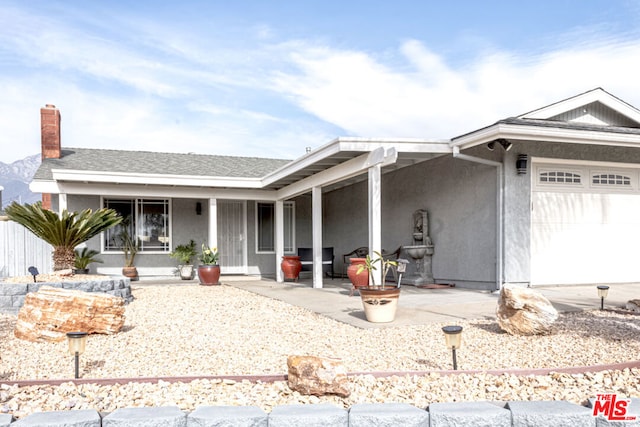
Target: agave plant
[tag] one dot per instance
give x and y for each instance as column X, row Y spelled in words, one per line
column 65, row 231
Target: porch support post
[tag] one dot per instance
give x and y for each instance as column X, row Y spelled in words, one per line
column 213, row 223
column 62, row 202
column 375, row 217
column 316, row 208
column 279, row 238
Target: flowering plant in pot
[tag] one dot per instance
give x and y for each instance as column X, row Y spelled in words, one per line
column 184, row 254
column 209, row 270
column 380, row 302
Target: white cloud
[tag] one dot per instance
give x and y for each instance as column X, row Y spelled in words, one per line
column 158, row 90
column 430, row 99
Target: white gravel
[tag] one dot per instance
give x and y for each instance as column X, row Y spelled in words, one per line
column 190, row 330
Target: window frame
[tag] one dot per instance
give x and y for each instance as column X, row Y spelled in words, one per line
column 137, row 204
column 291, row 233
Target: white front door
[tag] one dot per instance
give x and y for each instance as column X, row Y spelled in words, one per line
column 232, row 236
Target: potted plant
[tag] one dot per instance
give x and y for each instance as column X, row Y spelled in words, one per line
column 184, row 254
column 83, row 259
column 209, row 270
column 380, row 302
column 130, row 249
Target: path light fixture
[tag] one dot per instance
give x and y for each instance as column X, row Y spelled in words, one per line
column 453, row 338
column 603, row 291
column 77, row 344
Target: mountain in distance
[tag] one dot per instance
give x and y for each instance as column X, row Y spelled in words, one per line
column 15, row 178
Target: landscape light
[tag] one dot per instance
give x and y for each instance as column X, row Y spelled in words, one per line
column 77, row 344
column 603, row 291
column 453, row 339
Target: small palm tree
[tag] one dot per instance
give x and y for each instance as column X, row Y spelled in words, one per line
column 63, row 232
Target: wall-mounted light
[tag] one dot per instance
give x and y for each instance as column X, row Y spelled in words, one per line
column 521, row 164
column 491, row 145
column 198, row 208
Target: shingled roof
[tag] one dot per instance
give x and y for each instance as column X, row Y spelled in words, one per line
column 158, row 163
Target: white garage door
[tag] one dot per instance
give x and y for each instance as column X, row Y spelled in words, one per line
column 585, row 225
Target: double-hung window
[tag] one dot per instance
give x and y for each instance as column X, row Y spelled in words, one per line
column 146, row 220
column 266, row 227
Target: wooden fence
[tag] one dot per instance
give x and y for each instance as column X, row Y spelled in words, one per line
column 20, row 249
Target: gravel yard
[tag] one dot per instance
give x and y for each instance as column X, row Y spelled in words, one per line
column 191, row 330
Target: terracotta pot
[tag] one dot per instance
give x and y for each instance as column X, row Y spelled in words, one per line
column 358, row 280
column 209, row 274
column 380, row 304
column 130, row 272
column 291, row 266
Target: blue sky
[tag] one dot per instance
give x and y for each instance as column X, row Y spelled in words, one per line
column 269, row 78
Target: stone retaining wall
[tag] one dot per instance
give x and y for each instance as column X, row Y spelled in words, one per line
column 12, row 294
column 459, row 414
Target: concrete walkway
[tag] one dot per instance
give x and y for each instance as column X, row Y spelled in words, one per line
column 421, row 306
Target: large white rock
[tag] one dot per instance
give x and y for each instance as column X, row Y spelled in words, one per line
column 523, row 311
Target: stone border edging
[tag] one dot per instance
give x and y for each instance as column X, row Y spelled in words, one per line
column 283, row 377
column 12, row 295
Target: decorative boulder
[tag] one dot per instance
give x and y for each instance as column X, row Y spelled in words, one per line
column 523, row 311
column 47, row 315
column 317, row 376
column 634, row 305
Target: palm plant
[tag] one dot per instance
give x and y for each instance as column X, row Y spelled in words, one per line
column 65, row 231
column 86, row 257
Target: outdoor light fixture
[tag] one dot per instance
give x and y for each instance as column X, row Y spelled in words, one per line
column 34, row 272
column 198, row 208
column 77, row 343
column 453, row 337
column 503, row 142
column 521, row 164
column 603, row 291
column 506, row 144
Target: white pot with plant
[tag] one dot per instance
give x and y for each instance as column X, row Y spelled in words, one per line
column 185, row 254
column 380, row 302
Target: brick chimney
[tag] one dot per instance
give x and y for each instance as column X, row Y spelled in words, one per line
column 50, row 134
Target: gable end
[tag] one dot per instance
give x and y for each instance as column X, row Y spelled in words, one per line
column 595, row 113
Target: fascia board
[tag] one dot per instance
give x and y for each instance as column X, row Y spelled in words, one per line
column 127, row 190
column 329, row 176
column 67, row 175
column 357, row 144
column 573, row 136
column 305, row 161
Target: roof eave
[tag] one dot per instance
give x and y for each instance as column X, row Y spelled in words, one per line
column 69, row 175
column 550, row 134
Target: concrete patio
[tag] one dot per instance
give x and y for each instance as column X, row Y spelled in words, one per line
column 416, row 306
